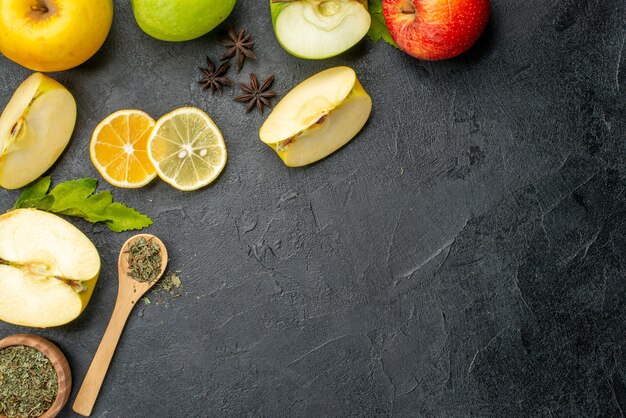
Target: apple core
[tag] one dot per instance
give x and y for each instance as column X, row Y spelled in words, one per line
column 328, row 8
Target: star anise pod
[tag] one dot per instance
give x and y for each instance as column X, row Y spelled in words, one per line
column 257, row 95
column 240, row 45
column 214, row 77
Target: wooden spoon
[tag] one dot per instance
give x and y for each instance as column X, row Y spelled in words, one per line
column 129, row 292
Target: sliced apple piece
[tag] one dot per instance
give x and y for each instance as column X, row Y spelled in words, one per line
column 317, row 117
column 35, row 128
column 48, row 269
column 319, row 29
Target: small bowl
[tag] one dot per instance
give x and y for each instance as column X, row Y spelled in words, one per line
column 58, row 360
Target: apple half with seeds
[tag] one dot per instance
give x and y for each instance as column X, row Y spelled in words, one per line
column 48, row 269
column 35, row 128
column 318, row 29
column 317, row 117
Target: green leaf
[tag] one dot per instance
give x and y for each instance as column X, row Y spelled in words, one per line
column 34, row 193
column 378, row 28
column 72, row 195
column 123, row 218
column 77, row 198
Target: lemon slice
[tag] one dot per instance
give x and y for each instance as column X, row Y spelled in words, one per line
column 187, row 149
column 118, row 149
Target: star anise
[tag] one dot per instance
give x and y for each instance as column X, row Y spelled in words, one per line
column 240, row 45
column 257, row 95
column 215, row 77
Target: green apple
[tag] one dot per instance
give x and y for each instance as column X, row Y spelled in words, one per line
column 317, row 29
column 35, row 128
column 180, row 20
column 48, row 269
column 317, row 117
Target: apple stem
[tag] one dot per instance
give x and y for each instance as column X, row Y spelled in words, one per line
column 38, row 8
column 407, row 8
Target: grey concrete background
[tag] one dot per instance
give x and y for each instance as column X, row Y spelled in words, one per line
column 464, row 255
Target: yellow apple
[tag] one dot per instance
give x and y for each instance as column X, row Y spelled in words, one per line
column 35, row 127
column 53, row 35
column 317, row 117
column 48, row 269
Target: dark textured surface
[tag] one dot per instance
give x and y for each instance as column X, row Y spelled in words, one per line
column 464, row 255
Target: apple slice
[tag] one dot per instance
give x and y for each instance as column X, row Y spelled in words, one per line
column 319, row 29
column 48, row 269
column 317, row 117
column 35, row 128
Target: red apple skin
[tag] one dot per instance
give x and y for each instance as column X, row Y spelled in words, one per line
column 435, row 29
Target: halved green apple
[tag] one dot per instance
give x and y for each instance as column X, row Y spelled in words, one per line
column 319, row 29
column 35, row 127
column 48, row 269
column 317, row 117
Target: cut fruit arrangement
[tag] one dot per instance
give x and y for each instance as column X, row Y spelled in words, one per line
column 48, row 268
column 185, row 148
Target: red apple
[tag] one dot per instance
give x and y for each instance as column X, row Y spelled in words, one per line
column 435, row 29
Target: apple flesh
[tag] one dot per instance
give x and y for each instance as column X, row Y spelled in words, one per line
column 317, row 29
column 317, row 117
column 180, row 20
column 435, row 29
column 35, row 127
column 48, row 269
column 53, row 35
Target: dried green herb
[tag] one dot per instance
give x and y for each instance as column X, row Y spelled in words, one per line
column 171, row 284
column 144, row 260
column 28, row 382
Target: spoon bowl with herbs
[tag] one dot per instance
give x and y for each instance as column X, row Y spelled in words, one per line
column 141, row 263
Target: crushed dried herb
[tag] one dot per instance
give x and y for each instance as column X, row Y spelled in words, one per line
column 28, row 382
column 144, row 260
column 257, row 95
column 213, row 77
column 239, row 45
column 171, row 284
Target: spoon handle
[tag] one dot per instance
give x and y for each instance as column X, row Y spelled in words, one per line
column 86, row 398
